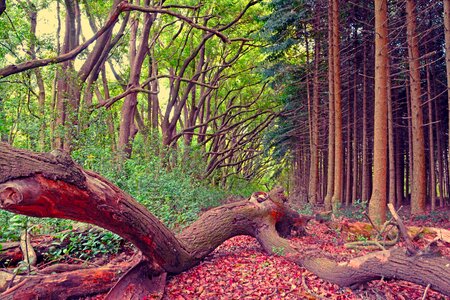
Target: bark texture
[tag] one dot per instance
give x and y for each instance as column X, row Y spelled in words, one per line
column 418, row 186
column 331, row 111
column 377, row 204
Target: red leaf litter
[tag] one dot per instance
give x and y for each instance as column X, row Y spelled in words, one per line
column 238, row 269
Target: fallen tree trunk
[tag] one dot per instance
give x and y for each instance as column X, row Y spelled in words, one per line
column 78, row 283
column 52, row 185
column 367, row 230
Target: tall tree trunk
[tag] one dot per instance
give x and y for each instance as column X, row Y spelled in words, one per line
column 32, row 13
column 391, row 142
column 364, row 155
column 314, row 166
column 68, row 87
column 355, row 139
column 440, row 157
column 400, row 170
column 409, row 169
column 348, row 151
column 447, row 64
column 377, row 205
column 137, row 56
column 331, row 118
column 418, row 192
column 431, row 139
column 338, row 143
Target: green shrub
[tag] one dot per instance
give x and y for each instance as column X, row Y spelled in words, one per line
column 84, row 245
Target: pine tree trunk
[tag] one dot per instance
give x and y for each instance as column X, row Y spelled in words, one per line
column 431, row 141
column 331, row 111
column 418, row 192
column 338, row 142
column 364, row 155
column 440, row 158
column 355, row 140
column 400, row 170
column 447, row 64
column 314, row 154
column 391, row 142
column 377, row 204
column 409, row 169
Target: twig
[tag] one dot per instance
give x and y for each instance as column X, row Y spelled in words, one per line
column 425, row 292
column 83, row 261
column 367, row 244
column 404, row 232
column 373, row 225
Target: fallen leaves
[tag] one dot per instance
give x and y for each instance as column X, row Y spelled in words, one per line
column 238, row 269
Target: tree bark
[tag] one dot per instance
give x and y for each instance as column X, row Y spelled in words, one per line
column 431, row 140
column 447, row 65
column 338, row 141
column 32, row 13
column 391, row 140
column 331, row 118
column 314, row 166
column 355, row 141
column 418, row 191
column 137, row 57
column 51, row 185
column 377, row 205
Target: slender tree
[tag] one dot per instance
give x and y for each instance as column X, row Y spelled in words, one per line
column 418, row 186
column 377, row 204
column 314, row 144
column 447, row 62
column 331, row 111
column 338, row 147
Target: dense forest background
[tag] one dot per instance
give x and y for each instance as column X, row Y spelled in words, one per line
column 182, row 103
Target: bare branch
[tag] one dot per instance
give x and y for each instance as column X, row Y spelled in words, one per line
column 179, row 16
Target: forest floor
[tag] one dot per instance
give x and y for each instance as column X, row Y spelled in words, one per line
column 239, row 269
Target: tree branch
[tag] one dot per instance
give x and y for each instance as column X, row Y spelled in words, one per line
column 14, row 69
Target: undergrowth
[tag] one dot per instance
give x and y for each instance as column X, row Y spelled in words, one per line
column 175, row 195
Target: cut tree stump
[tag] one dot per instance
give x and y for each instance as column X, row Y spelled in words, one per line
column 52, row 185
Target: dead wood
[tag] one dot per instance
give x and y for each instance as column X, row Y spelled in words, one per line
column 65, row 285
column 29, row 254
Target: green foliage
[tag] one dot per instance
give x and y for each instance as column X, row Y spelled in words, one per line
column 278, row 250
column 84, row 245
column 356, row 211
column 306, row 209
column 361, row 238
column 11, row 226
column 241, row 187
column 175, row 196
column 436, row 216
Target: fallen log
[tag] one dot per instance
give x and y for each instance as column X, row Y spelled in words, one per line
column 78, row 283
column 52, row 185
column 367, row 230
